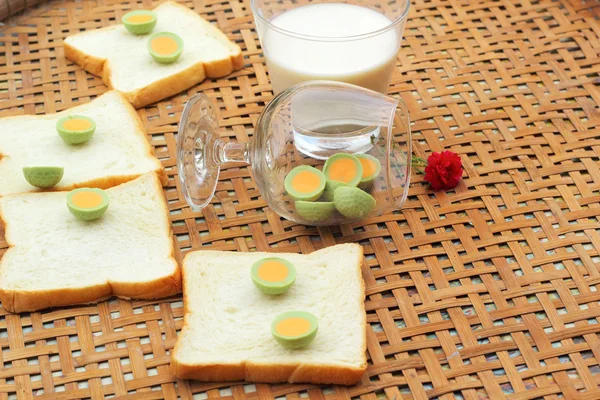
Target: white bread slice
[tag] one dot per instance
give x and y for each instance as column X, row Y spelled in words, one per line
column 55, row 259
column 118, row 151
column 227, row 336
column 122, row 59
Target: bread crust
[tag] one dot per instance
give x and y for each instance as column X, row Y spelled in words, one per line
column 274, row 373
column 16, row 301
column 93, row 65
column 268, row 373
column 169, row 85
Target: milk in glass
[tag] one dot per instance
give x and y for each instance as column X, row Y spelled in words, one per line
column 332, row 52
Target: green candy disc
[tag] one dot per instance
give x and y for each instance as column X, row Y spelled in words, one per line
column 371, row 170
column 305, row 183
column 344, row 168
column 87, row 204
column 139, row 22
column 43, row 177
column 315, row 211
column 352, row 202
column 165, row 47
column 76, row 129
column 330, row 187
column 295, row 329
column 273, row 275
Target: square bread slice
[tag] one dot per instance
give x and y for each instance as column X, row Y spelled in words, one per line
column 55, row 259
column 227, row 336
column 118, row 152
column 124, row 63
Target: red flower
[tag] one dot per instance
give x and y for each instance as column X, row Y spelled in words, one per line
column 443, row 170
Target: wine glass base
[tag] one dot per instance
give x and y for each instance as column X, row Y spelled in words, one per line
column 197, row 160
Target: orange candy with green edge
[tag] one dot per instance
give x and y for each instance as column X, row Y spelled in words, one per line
column 87, row 204
column 139, row 22
column 165, row 47
column 305, row 183
column 353, row 173
column 76, row 129
column 344, row 168
column 295, row 329
column 371, row 168
column 273, row 275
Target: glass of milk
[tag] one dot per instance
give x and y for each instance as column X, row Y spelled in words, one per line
column 353, row 41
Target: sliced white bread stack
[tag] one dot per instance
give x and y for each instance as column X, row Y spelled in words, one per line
column 226, row 334
column 124, row 63
column 55, row 259
column 117, row 153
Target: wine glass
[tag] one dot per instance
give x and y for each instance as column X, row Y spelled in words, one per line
column 305, row 125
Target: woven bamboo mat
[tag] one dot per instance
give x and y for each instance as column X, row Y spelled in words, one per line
column 489, row 291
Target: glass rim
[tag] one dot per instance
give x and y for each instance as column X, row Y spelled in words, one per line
column 401, row 111
column 350, row 38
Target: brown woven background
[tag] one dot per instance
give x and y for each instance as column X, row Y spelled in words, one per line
column 490, row 291
column 12, row 7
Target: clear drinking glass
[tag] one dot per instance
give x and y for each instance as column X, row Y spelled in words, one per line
column 304, row 125
column 353, row 41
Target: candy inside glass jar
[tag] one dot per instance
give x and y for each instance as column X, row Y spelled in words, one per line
column 322, row 153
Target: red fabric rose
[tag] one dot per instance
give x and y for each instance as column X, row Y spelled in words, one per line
column 443, row 170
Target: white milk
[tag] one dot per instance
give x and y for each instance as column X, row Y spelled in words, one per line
column 366, row 62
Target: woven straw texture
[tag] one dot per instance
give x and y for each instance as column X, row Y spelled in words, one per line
column 489, row 291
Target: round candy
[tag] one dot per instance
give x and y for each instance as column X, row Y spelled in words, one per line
column 165, row 47
column 352, row 202
column 315, row 211
column 371, row 169
column 273, row 275
column 295, row 329
column 305, row 183
column 87, row 204
column 344, row 168
column 76, row 129
column 139, row 22
column 330, row 187
column 43, row 177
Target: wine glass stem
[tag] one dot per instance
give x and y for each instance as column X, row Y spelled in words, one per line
column 232, row 152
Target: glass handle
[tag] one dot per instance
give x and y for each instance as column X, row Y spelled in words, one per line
column 232, row 152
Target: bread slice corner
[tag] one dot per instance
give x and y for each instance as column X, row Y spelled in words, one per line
column 218, row 290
